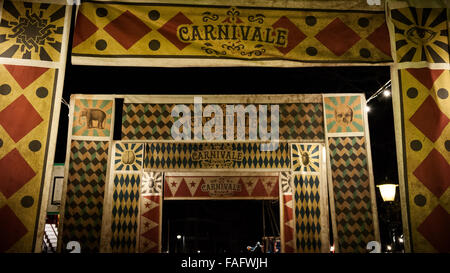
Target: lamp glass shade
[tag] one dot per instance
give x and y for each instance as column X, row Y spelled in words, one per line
column 387, row 191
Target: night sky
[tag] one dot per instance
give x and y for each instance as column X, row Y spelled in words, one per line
column 244, row 80
column 217, row 220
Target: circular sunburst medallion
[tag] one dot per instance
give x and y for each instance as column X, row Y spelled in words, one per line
column 344, row 114
column 128, row 156
column 421, row 35
column 305, row 158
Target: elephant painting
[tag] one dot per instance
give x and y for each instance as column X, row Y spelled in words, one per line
column 92, row 114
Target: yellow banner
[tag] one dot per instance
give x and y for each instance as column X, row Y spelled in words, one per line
column 146, row 34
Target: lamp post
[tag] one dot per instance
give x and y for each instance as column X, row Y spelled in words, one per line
column 387, row 191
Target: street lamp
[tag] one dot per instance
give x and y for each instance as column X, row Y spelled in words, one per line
column 387, row 192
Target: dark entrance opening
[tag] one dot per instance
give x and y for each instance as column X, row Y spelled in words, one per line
column 218, row 226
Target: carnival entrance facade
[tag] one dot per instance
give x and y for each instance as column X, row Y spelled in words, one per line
column 114, row 189
column 152, row 163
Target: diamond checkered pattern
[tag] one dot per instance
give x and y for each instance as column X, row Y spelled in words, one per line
column 307, row 213
column 154, row 121
column 178, row 155
column 125, row 213
column 351, row 193
column 85, row 193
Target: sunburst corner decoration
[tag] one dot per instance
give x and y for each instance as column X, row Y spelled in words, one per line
column 305, row 158
column 128, row 156
column 31, row 30
column 344, row 114
column 421, row 34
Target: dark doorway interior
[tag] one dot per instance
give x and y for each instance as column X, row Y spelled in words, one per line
column 217, row 226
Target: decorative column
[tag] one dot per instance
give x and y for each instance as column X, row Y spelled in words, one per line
column 310, row 202
column 33, row 49
column 421, row 80
column 351, row 185
column 91, row 125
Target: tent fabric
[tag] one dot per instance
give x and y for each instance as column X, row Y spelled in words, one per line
column 420, row 76
column 194, row 35
column 33, row 47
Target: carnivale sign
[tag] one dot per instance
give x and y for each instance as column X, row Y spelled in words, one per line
column 217, row 156
column 221, row 186
column 233, row 34
column 172, row 35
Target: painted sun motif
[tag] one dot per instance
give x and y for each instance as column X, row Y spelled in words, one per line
column 421, row 34
column 31, row 30
column 344, row 114
column 128, row 156
column 305, row 158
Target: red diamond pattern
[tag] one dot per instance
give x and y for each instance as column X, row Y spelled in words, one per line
column 84, row 29
column 169, row 30
column 295, row 36
column 12, row 181
column 436, row 229
column 434, row 173
column 19, row 118
column 338, row 37
column 11, row 228
column 429, row 119
column 127, row 29
column 25, row 75
column 425, row 76
column 380, row 39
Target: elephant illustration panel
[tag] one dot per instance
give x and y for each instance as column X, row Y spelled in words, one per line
column 343, row 114
column 92, row 118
